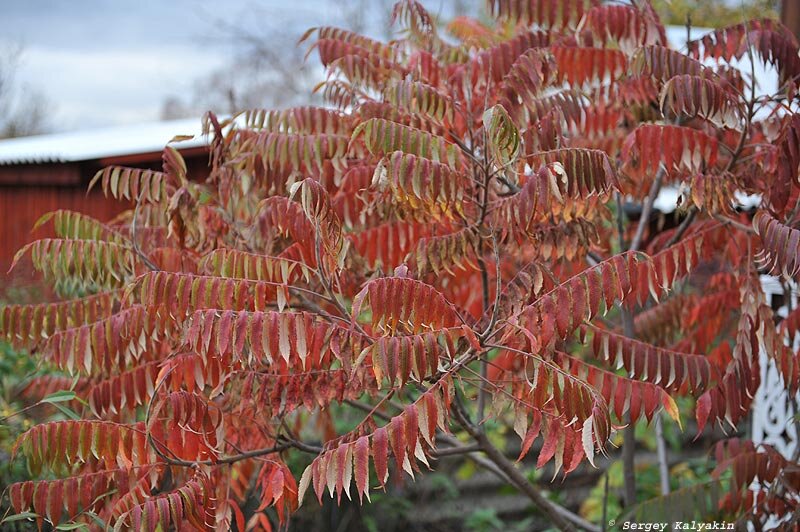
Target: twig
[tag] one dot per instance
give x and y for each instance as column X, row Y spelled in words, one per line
column 655, row 188
column 497, row 288
column 734, row 223
column 629, row 433
column 604, row 519
column 620, row 222
column 21, row 411
column 750, row 106
column 229, row 459
column 661, row 449
column 301, row 446
column 683, row 227
column 367, row 408
column 593, row 258
column 136, row 247
column 323, row 278
column 511, row 186
column 490, row 466
column 455, row 450
column 476, row 457
column 319, row 310
column 374, row 410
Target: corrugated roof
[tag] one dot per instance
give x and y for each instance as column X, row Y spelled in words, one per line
column 86, row 145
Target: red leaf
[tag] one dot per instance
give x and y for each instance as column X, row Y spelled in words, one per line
column 361, row 466
column 380, row 454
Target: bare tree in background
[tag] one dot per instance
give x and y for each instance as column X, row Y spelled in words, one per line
column 268, row 69
column 23, row 110
column 353, row 16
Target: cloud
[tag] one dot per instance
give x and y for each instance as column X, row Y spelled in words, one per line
column 113, row 86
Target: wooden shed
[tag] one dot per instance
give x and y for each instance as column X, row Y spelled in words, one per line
column 43, row 173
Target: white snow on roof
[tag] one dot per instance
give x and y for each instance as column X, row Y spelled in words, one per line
column 91, row 144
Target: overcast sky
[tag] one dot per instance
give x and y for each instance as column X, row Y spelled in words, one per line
column 104, row 62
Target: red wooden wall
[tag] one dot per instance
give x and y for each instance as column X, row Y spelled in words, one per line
column 29, row 191
column 21, row 207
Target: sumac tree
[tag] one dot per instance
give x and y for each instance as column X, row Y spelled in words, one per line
column 445, row 242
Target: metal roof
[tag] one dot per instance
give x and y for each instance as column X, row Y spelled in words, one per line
column 86, row 145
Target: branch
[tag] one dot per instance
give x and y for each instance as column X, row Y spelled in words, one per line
column 734, row 223
column 683, row 227
column 629, row 435
column 483, row 364
column 367, row 408
column 455, row 450
column 560, row 517
column 231, row 459
column 312, row 306
column 655, row 188
column 475, row 456
column 22, row 410
column 511, row 186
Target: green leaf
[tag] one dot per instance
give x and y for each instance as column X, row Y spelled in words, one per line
column 60, row 397
column 72, row 526
column 67, row 412
column 96, row 518
column 19, row 517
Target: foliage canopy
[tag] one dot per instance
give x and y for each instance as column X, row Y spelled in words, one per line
column 444, row 242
